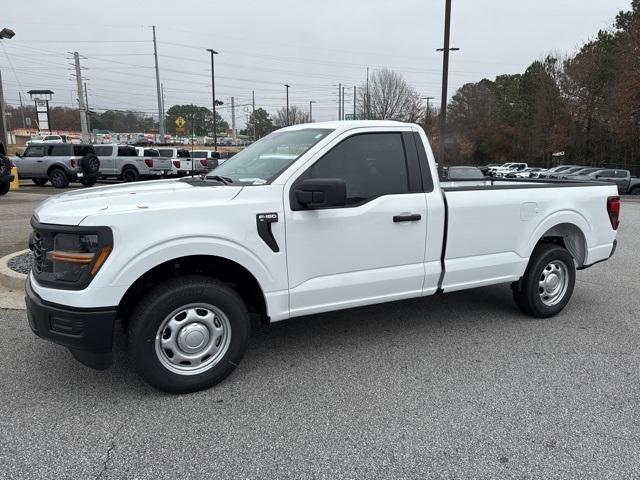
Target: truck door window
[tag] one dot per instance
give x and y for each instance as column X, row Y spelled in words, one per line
column 371, row 164
column 104, row 151
column 127, row 152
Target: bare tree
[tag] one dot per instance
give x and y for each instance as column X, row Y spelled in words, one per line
column 296, row 116
column 390, row 97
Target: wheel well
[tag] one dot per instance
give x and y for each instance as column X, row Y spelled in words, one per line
column 569, row 237
column 56, row 166
column 227, row 271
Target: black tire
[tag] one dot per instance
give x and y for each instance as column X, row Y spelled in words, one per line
column 59, row 178
column 4, row 188
column 130, row 174
column 635, row 191
column 89, row 181
column 165, row 302
column 540, row 299
column 40, row 181
column 90, row 164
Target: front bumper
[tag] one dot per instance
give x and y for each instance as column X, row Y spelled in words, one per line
column 7, row 179
column 87, row 333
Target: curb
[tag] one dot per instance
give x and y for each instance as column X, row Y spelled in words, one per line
column 9, row 278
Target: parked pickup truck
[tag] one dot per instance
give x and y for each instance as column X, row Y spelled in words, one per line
column 311, row 218
column 123, row 162
column 622, row 178
column 180, row 159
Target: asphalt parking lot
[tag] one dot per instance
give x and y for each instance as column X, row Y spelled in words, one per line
column 454, row 386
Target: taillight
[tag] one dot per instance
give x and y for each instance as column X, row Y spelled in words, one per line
column 72, row 163
column 149, row 162
column 176, row 163
column 203, row 162
column 613, row 209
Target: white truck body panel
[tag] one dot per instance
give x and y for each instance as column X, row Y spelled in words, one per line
column 334, row 258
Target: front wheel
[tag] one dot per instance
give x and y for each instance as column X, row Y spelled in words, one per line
column 548, row 281
column 88, row 181
column 188, row 334
column 635, row 191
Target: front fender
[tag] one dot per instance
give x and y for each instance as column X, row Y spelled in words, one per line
column 131, row 266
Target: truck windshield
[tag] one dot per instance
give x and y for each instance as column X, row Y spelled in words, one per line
column 262, row 161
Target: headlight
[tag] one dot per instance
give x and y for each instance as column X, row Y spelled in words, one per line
column 76, row 255
column 68, row 257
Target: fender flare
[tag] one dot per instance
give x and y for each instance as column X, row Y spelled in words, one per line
column 562, row 217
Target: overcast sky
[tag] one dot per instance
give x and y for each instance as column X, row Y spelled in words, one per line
column 310, row 45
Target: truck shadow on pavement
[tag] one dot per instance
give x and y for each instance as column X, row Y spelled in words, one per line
column 397, row 330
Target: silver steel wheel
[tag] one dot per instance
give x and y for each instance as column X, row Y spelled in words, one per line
column 193, row 339
column 553, row 283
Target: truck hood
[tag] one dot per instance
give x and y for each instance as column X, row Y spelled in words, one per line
column 73, row 207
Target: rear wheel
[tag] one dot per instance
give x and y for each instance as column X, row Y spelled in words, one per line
column 40, row 181
column 188, row 334
column 548, row 281
column 130, row 174
column 59, row 178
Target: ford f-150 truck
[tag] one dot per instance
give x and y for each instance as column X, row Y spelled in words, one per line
column 311, row 218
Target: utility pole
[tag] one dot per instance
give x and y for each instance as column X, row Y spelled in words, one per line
column 83, row 108
column 311, row 102
column 445, row 78
column 24, row 125
column 213, row 97
column 253, row 112
column 343, row 103
column 367, row 103
column 286, row 85
column 339, row 101
column 233, row 118
column 86, row 105
column 160, row 114
column 354, row 102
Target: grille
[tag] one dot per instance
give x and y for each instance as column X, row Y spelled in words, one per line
column 39, row 253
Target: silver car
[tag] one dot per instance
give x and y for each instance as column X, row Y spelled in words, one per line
column 58, row 163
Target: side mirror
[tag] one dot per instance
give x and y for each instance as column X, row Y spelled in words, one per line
column 597, row 177
column 321, row 193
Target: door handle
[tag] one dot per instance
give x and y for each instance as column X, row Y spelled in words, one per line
column 412, row 217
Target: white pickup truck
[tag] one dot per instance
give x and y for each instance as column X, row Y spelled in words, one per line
column 309, row 219
column 125, row 163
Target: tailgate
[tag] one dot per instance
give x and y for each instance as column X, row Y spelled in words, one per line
column 161, row 163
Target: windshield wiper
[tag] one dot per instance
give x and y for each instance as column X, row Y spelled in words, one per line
column 225, row 180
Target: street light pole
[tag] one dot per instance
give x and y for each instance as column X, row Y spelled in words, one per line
column 311, row 102
column 287, row 86
column 445, row 76
column 213, row 96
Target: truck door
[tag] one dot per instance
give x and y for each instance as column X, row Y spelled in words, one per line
column 370, row 250
column 32, row 163
column 107, row 161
